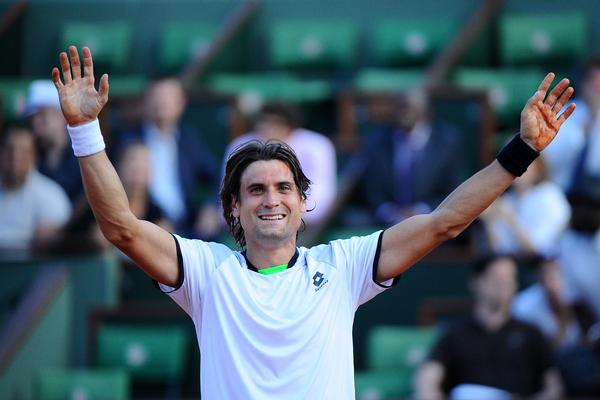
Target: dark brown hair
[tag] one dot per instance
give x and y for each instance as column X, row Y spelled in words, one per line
column 237, row 163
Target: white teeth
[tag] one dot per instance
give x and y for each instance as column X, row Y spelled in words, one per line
column 271, row 217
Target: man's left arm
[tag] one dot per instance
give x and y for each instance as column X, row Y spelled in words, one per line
column 407, row 242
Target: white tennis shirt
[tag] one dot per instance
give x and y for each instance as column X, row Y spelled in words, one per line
column 281, row 336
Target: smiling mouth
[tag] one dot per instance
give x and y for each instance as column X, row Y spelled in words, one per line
column 271, row 217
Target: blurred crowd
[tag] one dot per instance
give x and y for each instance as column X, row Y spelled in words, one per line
column 551, row 217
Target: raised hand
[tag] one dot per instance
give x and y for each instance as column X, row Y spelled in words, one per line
column 79, row 100
column 540, row 121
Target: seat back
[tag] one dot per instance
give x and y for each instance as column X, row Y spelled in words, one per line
column 110, row 42
column 534, row 39
column 13, row 93
column 410, row 41
column 313, row 44
column 401, row 348
column 104, row 384
column 509, row 90
column 156, row 353
column 180, row 43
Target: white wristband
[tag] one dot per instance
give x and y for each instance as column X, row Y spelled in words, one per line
column 86, row 139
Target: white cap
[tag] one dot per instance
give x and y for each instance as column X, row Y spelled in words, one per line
column 42, row 93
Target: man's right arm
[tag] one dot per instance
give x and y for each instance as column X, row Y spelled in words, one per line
column 150, row 247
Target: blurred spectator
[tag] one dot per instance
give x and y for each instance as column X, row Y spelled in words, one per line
column 544, row 305
column 32, row 207
column 82, row 234
column 182, row 165
column 580, row 261
column 315, row 151
column 412, row 165
column 530, row 218
column 490, row 353
column 55, row 157
column 574, row 157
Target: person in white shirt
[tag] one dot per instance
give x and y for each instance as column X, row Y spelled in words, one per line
column 315, row 152
column 530, row 218
column 32, row 207
column 275, row 320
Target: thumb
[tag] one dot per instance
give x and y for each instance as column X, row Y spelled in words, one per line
column 103, row 89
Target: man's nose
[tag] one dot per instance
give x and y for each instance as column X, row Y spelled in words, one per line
column 271, row 199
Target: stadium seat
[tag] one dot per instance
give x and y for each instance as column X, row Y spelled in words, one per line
column 381, row 385
column 535, row 39
column 509, row 90
column 270, row 86
column 127, row 85
column 110, row 42
column 13, row 93
column 387, row 80
column 405, row 42
column 400, row 348
column 152, row 353
column 313, row 43
column 393, row 354
column 182, row 42
column 99, row 384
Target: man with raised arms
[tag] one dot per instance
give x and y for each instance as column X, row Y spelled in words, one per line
column 275, row 320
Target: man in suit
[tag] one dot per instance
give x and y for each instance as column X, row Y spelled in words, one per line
column 180, row 161
column 411, row 164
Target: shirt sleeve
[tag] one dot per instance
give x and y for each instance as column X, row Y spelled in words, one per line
column 360, row 257
column 196, row 260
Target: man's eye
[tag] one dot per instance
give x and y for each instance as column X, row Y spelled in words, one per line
column 255, row 190
column 285, row 188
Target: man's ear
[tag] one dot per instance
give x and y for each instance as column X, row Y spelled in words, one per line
column 303, row 208
column 235, row 208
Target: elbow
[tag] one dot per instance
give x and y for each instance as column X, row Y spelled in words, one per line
column 446, row 230
column 120, row 233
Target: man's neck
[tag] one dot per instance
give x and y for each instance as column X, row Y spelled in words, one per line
column 264, row 257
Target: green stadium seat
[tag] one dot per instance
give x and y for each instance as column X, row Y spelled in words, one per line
column 509, row 89
column 387, row 80
column 182, row 42
column 400, row 348
column 152, row 353
column 381, row 385
column 393, row 355
column 271, row 86
column 535, row 39
column 110, row 42
column 313, row 43
column 82, row 384
column 13, row 93
column 401, row 42
column 127, row 85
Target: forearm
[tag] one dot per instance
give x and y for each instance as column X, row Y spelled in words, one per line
column 107, row 197
column 471, row 198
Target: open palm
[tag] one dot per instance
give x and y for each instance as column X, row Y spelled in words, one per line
column 540, row 119
column 79, row 100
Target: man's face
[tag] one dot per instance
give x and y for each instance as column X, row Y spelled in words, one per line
column 498, row 284
column 272, row 127
column 270, row 206
column 165, row 102
column 48, row 125
column 18, row 158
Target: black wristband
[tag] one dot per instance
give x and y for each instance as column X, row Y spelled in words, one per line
column 516, row 156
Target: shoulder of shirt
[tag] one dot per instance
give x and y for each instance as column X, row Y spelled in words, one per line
column 42, row 182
